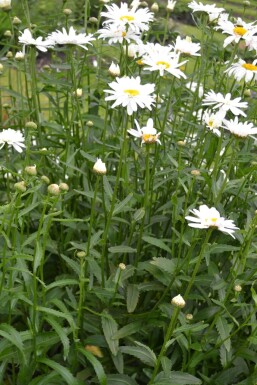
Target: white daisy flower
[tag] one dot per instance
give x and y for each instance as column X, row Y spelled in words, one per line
column 224, row 103
column 129, row 92
column 137, row 19
column 213, row 121
column 237, row 31
column 117, row 34
column 187, row 47
column 71, row 37
column 240, row 129
column 12, row 138
column 26, row 38
column 242, row 70
column 207, row 217
column 211, row 10
column 148, row 134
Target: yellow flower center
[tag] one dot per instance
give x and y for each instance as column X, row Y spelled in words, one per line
column 239, row 31
column 149, row 138
column 249, row 67
column 140, row 62
column 123, row 34
column 131, row 93
column 163, row 63
column 127, row 17
column 211, row 123
column 214, row 220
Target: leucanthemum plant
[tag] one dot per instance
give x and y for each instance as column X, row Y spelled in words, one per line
column 128, row 205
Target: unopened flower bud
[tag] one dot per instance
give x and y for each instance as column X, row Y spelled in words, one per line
column 238, row 288
column 155, row 8
column 99, row 167
column 45, row 179
column 93, row 20
column 16, row 20
column 53, row 189
column 246, row 3
column 104, row 1
column 6, row 106
column 81, row 254
column 31, row 125
column 31, row 170
column 1, row 68
column 189, row 316
column 132, row 49
column 67, row 11
column 114, row 69
column 89, row 123
column 178, row 301
column 144, row 4
column 181, row 143
column 195, row 172
column 46, row 67
column 247, row 92
column 64, row 187
column 171, row 5
column 8, row 33
column 19, row 56
column 9, row 55
column 20, row 186
column 122, row 266
column 5, row 5
column 78, row 93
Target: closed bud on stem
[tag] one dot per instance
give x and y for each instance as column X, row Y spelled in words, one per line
column 31, row 125
column 20, row 186
column 155, row 8
column 8, row 33
column 45, row 179
column 181, row 143
column 53, row 189
column 16, row 20
column 99, row 167
column 89, row 123
column 122, row 266
column 31, row 170
column 81, row 254
column 9, row 55
column 189, row 316
column 195, row 172
column 178, row 301
column 64, row 187
column 238, row 288
column 1, row 68
column 67, row 11
column 6, row 5
column 78, row 93
column 19, row 56
column 114, row 69
column 93, row 20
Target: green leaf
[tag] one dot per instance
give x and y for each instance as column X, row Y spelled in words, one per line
column 142, row 352
column 139, row 214
column 99, row 370
column 38, row 255
column 61, row 370
column 62, row 282
column 224, row 332
column 176, row 378
column 122, row 205
column 121, row 249
column 127, row 330
column 132, row 297
column 157, row 242
column 13, row 336
column 165, row 264
column 107, row 187
column 61, row 333
column 57, row 313
column 72, row 264
column 110, row 327
column 120, row 379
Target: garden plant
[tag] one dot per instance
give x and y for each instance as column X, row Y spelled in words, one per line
column 128, row 206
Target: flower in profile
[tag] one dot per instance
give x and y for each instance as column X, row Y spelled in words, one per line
column 114, row 69
column 240, row 129
column 213, row 121
column 137, row 19
column 237, row 31
column 99, row 167
column 187, row 47
column 148, row 134
column 117, row 34
column 242, row 70
column 71, row 37
column 224, row 103
column 129, row 92
column 5, row 5
column 178, row 301
column 26, row 38
column 12, row 138
column 171, row 5
column 206, row 217
column 211, row 10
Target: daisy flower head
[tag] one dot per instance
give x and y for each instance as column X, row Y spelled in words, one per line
column 240, row 129
column 26, row 38
column 118, row 33
column 171, row 5
column 148, row 134
column 242, row 70
column 187, row 47
column 213, row 121
column 130, row 93
column 212, row 11
column 12, row 138
column 224, row 103
column 137, row 19
column 237, row 31
column 71, row 37
column 206, row 217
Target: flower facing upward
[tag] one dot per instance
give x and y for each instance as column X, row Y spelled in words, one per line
column 26, row 38
column 224, row 103
column 237, row 31
column 213, row 121
column 117, row 34
column 242, row 70
column 148, row 133
column 129, row 92
column 240, row 129
column 71, row 37
column 137, row 19
column 12, row 138
column 207, row 217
